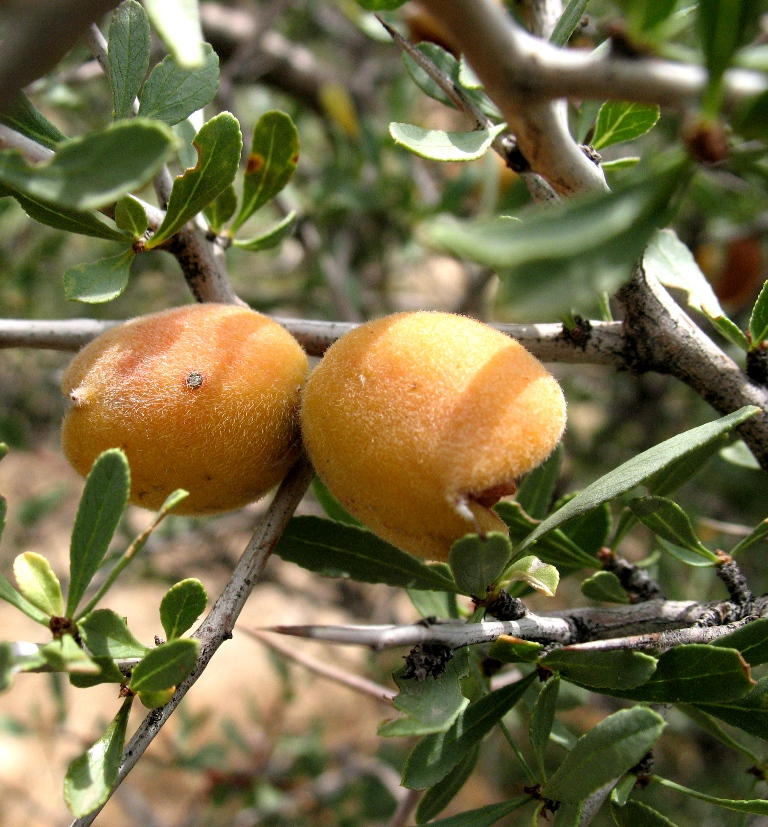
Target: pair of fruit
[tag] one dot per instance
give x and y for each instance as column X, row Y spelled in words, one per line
column 418, row 422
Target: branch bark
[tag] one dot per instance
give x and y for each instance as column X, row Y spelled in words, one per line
column 549, row 342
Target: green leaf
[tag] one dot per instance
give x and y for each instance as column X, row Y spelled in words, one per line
column 69, row 220
column 271, row 162
column 434, row 604
column 539, row 576
column 218, row 144
column 99, row 281
column 759, row 806
column 64, row 655
column 90, row 777
column 751, row 640
column 381, row 5
column 131, row 217
column 751, row 118
column 568, row 815
column 483, row 816
column 106, row 635
column 683, row 469
column 101, row 506
column 606, row 587
column 537, row 489
column 451, row 68
column 738, row 453
column 477, row 562
column 620, row 121
column 178, row 24
column 93, row 170
column 749, row 713
column 332, row 507
column 567, row 256
column 181, row 606
column 510, row 649
column 590, row 531
column 271, row 238
column 437, row 145
column 556, row 548
column 10, row 595
column 620, row 163
column 221, row 209
column 673, row 264
column 437, row 798
column 614, row 746
column 38, row 583
column 432, row 704
column 710, row 725
column 569, row 20
column 7, row 665
column 109, row 672
column 337, row 550
column 690, row 558
column 129, row 42
column 436, row 755
column 636, row 814
column 542, row 719
column 173, row 92
column 725, row 26
column 730, row 331
column 612, row 669
column 27, row 119
column 165, row 666
column 758, row 321
column 693, row 673
column 760, row 533
column 635, row 471
column 157, row 698
column 667, row 520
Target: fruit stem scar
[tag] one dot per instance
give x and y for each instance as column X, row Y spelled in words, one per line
column 194, row 380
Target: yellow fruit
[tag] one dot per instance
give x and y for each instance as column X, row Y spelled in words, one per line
column 419, row 422
column 203, row 397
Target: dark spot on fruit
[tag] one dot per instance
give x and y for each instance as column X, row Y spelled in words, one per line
column 194, row 380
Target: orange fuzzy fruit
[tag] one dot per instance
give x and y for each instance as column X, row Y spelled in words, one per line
column 203, row 397
column 419, row 422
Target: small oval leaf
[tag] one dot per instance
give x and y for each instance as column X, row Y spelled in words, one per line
column 165, row 666
column 38, row 583
column 182, row 604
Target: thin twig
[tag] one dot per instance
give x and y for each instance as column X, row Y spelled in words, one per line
column 404, row 809
column 356, row 682
column 549, row 342
column 218, row 625
column 563, row 628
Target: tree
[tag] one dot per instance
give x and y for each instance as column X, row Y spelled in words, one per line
column 578, row 238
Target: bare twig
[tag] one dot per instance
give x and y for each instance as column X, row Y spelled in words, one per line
column 218, row 625
column 562, row 628
column 356, row 682
column 549, row 342
column 404, row 809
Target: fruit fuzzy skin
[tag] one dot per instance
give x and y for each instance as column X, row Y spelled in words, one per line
column 419, row 422
column 203, row 397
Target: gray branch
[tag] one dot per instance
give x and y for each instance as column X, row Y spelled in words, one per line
column 661, row 337
column 549, row 342
column 563, row 628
